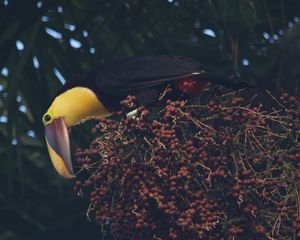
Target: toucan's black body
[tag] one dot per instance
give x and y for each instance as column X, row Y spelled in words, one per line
column 143, row 77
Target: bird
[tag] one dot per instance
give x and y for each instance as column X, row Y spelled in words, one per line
column 97, row 94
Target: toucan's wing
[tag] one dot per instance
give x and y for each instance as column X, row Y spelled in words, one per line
column 130, row 75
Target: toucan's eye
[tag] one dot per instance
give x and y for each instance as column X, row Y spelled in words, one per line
column 47, row 118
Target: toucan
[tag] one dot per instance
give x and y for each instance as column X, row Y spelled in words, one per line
column 97, row 94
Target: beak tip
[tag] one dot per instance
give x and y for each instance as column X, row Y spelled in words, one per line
column 68, row 175
column 57, row 140
column 59, row 164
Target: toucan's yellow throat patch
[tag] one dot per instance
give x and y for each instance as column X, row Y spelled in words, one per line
column 76, row 105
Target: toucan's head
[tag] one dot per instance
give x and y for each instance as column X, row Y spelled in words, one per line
column 69, row 108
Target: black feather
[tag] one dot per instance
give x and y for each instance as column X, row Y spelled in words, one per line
column 143, row 76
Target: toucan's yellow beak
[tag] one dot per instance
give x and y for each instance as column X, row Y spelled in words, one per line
column 58, row 144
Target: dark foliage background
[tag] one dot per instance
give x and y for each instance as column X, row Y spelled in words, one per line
column 45, row 43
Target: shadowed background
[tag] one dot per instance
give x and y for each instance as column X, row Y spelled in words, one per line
column 45, row 43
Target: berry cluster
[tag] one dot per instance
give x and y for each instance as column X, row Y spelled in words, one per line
column 221, row 170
